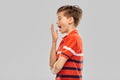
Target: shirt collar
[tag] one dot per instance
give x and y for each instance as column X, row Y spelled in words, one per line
column 72, row 32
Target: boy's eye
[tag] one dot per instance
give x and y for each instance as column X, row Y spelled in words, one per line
column 59, row 18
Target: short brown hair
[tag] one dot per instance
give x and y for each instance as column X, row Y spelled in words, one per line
column 72, row 11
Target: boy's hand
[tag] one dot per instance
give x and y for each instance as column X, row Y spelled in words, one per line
column 54, row 34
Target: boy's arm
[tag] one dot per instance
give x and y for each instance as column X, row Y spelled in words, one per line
column 53, row 48
column 55, row 66
column 58, row 65
column 53, row 54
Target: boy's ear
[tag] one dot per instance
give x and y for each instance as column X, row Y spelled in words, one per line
column 71, row 20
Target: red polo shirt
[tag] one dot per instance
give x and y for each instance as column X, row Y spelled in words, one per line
column 71, row 49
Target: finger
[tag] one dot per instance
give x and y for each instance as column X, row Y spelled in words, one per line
column 52, row 27
column 56, row 32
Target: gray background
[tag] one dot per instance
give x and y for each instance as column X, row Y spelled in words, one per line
column 25, row 38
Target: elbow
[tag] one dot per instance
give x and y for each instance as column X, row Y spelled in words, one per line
column 57, row 68
column 51, row 65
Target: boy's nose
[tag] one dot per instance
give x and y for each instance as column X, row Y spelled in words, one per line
column 56, row 22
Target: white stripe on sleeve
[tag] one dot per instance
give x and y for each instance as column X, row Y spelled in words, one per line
column 72, row 51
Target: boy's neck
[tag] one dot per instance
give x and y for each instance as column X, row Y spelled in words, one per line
column 71, row 29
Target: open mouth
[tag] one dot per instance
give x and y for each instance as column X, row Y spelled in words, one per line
column 59, row 26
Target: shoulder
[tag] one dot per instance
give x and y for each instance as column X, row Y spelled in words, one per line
column 74, row 36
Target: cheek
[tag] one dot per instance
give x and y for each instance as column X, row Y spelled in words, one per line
column 64, row 26
column 63, row 23
column 64, row 29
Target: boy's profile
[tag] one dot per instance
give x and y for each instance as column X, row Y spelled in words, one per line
column 67, row 61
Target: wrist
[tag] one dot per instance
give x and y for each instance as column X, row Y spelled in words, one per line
column 54, row 42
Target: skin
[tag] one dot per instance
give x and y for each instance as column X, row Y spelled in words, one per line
column 65, row 25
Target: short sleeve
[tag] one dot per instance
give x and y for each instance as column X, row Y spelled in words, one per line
column 68, row 48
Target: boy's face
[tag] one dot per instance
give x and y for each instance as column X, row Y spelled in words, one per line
column 62, row 22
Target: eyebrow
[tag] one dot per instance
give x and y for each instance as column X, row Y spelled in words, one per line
column 59, row 16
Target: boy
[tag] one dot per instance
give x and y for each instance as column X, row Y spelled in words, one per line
column 66, row 61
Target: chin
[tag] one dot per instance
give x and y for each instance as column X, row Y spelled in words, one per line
column 62, row 32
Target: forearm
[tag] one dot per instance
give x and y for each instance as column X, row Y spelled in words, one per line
column 53, row 54
column 58, row 65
